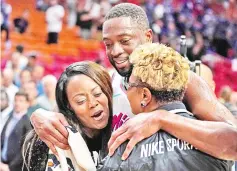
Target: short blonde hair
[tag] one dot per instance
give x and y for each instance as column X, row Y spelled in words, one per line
column 160, row 67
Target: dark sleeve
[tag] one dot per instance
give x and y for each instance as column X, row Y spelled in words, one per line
column 17, row 162
column 114, row 162
column 39, row 156
column 39, row 152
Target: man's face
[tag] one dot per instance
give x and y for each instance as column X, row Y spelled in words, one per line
column 121, row 37
column 20, row 104
column 7, row 77
column 31, row 90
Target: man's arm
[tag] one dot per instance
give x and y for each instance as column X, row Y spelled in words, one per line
column 215, row 138
column 218, row 139
column 203, row 102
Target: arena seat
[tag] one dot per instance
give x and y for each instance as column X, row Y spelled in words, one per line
column 70, row 46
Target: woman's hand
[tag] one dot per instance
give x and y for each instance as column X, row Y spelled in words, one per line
column 50, row 127
column 135, row 130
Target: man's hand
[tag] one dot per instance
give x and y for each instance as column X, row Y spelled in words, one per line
column 50, row 127
column 135, row 129
column 4, row 167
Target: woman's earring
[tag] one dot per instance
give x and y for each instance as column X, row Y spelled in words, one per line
column 143, row 104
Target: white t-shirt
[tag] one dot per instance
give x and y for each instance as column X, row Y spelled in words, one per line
column 121, row 106
column 54, row 15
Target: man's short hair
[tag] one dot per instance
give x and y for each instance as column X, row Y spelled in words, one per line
column 135, row 12
column 22, row 93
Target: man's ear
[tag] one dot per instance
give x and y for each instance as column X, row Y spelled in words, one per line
column 146, row 96
column 149, row 35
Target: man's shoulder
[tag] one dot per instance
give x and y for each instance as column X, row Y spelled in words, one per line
column 25, row 120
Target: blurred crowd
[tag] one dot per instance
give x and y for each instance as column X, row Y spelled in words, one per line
column 205, row 24
column 209, row 25
column 24, row 88
column 25, row 74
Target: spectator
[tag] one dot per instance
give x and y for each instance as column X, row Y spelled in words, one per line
column 98, row 23
column 87, row 12
column 6, row 108
column 220, row 42
column 190, row 41
column 72, row 13
column 47, row 100
column 18, row 60
column 13, row 133
column 7, row 81
column 173, row 34
column 6, row 10
column 21, row 23
column 198, row 49
column 36, row 75
column 225, row 95
column 209, row 23
column 25, row 76
column 31, row 91
column 32, row 61
column 54, row 17
column 232, row 39
column 14, row 65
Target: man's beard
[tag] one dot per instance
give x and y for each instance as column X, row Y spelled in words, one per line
column 122, row 72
